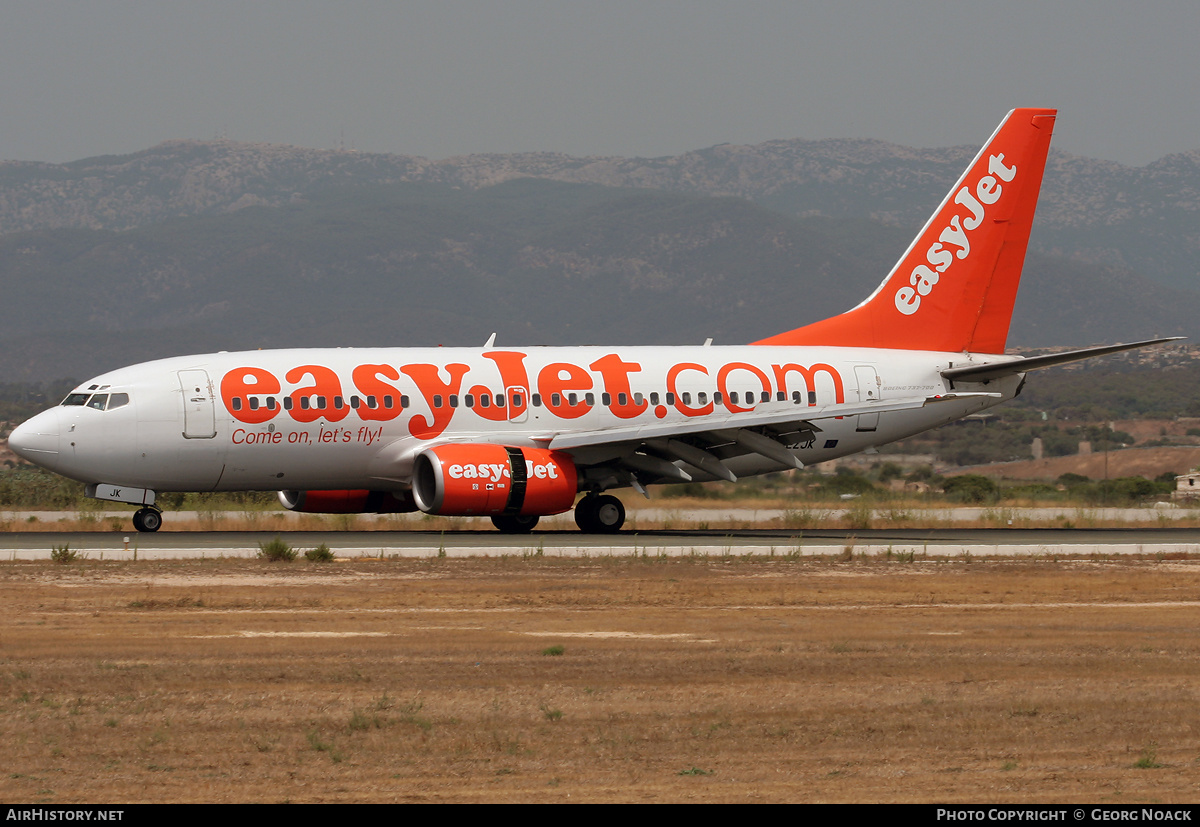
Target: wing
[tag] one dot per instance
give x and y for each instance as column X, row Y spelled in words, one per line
column 647, row 453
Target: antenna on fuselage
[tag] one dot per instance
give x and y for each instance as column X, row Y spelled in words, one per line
column 491, row 341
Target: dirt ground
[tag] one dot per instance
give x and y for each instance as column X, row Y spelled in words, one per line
column 528, row 679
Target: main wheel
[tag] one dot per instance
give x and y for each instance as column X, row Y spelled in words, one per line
column 603, row 514
column 515, row 524
column 147, row 519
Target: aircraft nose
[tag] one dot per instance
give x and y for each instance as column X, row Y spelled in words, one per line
column 36, row 439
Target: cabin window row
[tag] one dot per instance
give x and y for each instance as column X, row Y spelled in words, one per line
column 321, row 403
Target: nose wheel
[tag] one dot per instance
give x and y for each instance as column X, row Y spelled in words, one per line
column 600, row 514
column 147, row 519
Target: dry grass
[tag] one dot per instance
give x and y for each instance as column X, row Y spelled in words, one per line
column 687, row 514
column 728, row 679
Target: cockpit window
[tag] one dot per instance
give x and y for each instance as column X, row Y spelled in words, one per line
column 98, row 401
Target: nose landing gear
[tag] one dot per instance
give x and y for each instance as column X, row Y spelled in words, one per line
column 147, row 519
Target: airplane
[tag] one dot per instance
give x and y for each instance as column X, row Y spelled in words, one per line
column 516, row 434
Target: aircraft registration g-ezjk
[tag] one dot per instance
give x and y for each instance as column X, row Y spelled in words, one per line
column 515, row 434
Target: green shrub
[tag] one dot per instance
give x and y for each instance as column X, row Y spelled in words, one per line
column 972, row 488
column 320, row 554
column 63, row 554
column 276, row 549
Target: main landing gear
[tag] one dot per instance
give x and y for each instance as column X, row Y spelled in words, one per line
column 600, row 514
column 147, row 519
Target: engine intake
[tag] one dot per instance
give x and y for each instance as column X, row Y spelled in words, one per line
column 473, row 479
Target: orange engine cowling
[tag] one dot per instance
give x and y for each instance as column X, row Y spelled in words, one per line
column 347, row 502
column 478, row 479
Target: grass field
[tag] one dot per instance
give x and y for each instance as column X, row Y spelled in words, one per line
column 631, row 679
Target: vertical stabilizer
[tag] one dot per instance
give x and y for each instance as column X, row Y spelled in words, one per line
column 954, row 288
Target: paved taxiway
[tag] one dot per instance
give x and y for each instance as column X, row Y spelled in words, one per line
column 941, row 542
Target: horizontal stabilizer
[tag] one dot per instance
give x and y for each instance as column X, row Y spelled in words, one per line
column 998, row 370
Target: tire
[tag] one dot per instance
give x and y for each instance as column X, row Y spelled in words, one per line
column 585, row 514
column 609, row 514
column 147, row 519
column 603, row 514
column 515, row 524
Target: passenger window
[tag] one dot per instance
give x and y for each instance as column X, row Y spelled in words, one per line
column 572, row 399
column 622, row 399
column 670, row 399
column 733, row 397
column 590, row 399
column 320, row 403
column 687, row 398
column 305, row 404
column 403, row 401
column 654, row 398
column 606, row 398
column 287, row 403
column 536, row 399
column 499, row 400
column 98, row 401
column 372, row 402
column 437, row 400
column 355, row 402
column 796, row 397
column 338, row 404
column 555, row 399
column 254, row 403
column 781, row 397
column 717, row 397
column 237, row 403
column 516, row 400
column 766, row 396
column 271, row 403
column 453, row 400
column 812, row 397
column 485, row 401
column 702, row 398
column 388, row 401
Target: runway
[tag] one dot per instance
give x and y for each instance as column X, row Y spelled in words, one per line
column 931, row 543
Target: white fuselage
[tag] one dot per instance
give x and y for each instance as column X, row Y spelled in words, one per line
column 355, row 418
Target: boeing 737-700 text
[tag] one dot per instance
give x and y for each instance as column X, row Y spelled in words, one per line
column 518, row 433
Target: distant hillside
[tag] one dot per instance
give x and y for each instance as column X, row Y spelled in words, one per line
column 1142, row 219
column 537, row 261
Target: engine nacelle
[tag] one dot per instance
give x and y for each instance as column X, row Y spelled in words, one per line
column 347, row 502
column 475, row 479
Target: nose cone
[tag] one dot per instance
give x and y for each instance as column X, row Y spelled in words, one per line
column 36, row 440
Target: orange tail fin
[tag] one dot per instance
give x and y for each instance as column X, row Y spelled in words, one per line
column 953, row 289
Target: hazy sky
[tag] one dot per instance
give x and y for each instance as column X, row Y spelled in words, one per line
column 617, row 77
